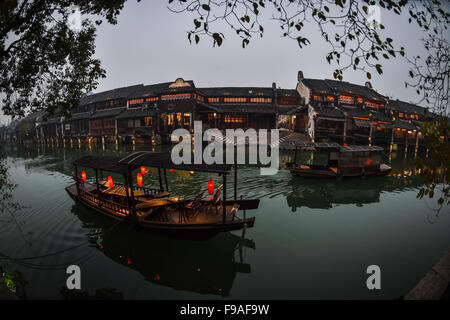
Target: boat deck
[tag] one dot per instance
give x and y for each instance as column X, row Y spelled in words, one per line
column 166, row 214
column 72, row 189
column 206, row 215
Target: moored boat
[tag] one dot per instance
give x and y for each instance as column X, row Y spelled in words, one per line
column 156, row 208
column 341, row 161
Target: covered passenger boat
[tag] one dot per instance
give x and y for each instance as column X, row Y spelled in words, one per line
column 157, row 208
column 340, row 161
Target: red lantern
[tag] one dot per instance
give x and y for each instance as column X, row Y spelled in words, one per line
column 210, row 186
column 139, row 179
column 83, row 175
column 142, row 169
column 110, row 182
column 171, row 170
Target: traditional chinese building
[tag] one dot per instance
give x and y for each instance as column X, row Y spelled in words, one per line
column 326, row 110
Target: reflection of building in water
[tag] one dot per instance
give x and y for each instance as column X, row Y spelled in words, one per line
column 325, row 193
column 206, row 266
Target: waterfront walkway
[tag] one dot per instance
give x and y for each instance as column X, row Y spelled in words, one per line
column 434, row 285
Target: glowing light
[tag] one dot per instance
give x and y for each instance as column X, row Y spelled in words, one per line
column 110, row 182
column 143, row 169
column 139, row 179
column 83, row 175
column 171, row 170
column 210, row 186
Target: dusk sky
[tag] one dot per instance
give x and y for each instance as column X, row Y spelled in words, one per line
column 149, row 45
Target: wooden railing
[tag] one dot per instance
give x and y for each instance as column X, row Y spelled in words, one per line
column 104, row 203
column 147, row 191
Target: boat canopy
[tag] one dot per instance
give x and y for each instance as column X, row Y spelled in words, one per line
column 103, row 163
column 149, row 159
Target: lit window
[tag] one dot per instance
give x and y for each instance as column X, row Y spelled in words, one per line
column 135, row 101
column 170, row 119
column 187, row 119
column 234, row 118
column 239, row 100
column 261, row 100
column 148, row 121
column 180, row 96
column 213, row 99
column 346, row 99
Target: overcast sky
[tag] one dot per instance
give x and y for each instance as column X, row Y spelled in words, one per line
column 149, row 45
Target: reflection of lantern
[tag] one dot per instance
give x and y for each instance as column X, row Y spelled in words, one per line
column 210, row 186
column 139, row 179
column 142, row 169
column 110, row 182
column 83, row 175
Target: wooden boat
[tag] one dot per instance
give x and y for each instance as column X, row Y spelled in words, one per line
column 342, row 161
column 155, row 208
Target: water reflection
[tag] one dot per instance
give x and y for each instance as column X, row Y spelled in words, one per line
column 205, row 267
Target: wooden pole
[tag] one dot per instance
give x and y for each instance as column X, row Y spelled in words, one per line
column 165, row 179
column 160, row 180
column 76, row 181
column 235, row 175
column 96, row 180
column 96, row 184
column 126, row 191
column 224, row 200
column 130, row 181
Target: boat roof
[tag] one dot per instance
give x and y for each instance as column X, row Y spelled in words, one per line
column 103, row 163
column 149, row 159
column 329, row 146
column 164, row 160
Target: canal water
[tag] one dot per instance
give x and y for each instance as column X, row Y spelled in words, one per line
column 312, row 239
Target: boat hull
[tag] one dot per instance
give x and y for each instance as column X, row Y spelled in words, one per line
column 185, row 227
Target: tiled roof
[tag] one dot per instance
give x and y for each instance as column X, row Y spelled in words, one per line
column 79, row 116
column 158, row 88
column 317, row 85
column 117, row 93
column 404, row 125
column 287, row 93
column 336, row 87
column 356, row 113
column 107, row 113
column 136, row 113
column 347, row 87
column 330, row 113
column 380, row 116
column 237, row 92
column 403, row 106
column 243, row 108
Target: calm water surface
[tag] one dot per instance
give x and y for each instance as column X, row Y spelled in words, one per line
column 311, row 239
